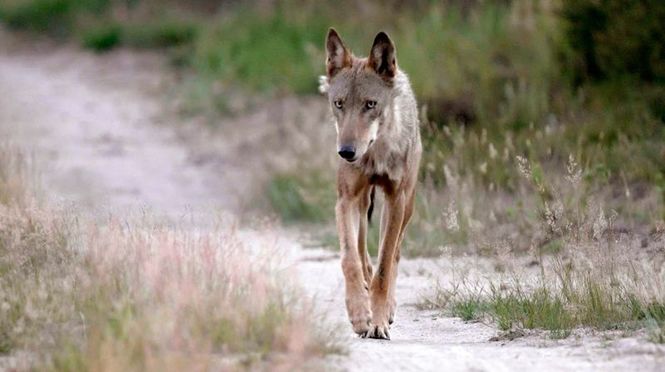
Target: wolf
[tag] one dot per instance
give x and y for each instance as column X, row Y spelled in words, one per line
column 378, row 142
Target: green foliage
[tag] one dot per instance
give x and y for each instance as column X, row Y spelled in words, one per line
column 468, row 309
column 97, row 28
column 160, row 33
column 41, row 15
column 472, row 68
column 614, row 38
column 555, row 312
column 484, row 67
column 56, row 17
column 102, row 38
column 617, row 41
column 266, row 52
column 303, row 198
column 540, row 309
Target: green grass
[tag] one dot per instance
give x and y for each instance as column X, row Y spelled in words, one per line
column 54, row 17
column 469, row 309
column 102, row 38
column 482, row 67
column 95, row 25
column 557, row 312
column 306, row 198
column 160, row 33
column 540, row 309
column 271, row 52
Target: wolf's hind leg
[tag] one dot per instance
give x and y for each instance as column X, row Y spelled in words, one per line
column 365, row 259
column 408, row 212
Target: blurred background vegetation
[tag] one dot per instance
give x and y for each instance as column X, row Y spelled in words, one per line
column 543, row 124
column 553, row 81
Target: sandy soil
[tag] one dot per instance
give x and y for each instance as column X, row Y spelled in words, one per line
column 98, row 129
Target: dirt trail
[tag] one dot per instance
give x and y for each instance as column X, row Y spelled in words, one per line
column 96, row 132
column 95, row 126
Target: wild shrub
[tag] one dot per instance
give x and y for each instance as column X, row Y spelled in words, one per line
column 609, row 39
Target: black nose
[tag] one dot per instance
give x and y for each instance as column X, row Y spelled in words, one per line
column 347, row 152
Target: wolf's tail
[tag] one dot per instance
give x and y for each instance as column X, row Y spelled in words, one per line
column 371, row 205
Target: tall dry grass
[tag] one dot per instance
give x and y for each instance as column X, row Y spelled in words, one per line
column 172, row 299
column 77, row 295
column 592, row 271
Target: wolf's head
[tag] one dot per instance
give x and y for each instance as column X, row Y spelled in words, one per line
column 360, row 92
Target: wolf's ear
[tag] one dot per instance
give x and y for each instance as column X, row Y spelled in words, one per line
column 382, row 56
column 338, row 57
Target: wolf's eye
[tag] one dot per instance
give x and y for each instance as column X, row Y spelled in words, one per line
column 338, row 103
column 370, row 104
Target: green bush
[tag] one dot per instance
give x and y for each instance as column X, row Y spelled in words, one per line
column 97, row 28
column 102, row 38
column 52, row 16
column 160, row 33
column 613, row 38
column 55, row 17
column 484, row 68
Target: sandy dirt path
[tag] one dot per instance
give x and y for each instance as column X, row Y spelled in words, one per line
column 96, row 127
column 97, row 135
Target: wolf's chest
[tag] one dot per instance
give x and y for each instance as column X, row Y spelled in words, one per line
column 381, row 166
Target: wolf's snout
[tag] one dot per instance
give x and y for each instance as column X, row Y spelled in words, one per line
column 347, row 152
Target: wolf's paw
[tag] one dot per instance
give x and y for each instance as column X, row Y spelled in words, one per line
column 380, row 317
column 360, row 314
column 392, row 306
column 379, row 332
column 361, row 323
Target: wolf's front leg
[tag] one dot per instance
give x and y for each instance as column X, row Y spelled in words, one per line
column 380, row 288
column 357, row 294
